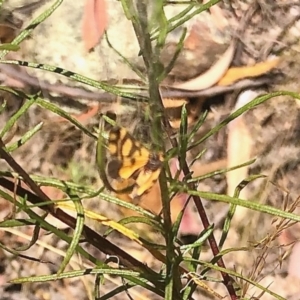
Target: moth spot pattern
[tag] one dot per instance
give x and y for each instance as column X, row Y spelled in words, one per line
column 132, row 161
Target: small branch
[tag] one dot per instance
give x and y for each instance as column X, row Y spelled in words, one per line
column 91, row 236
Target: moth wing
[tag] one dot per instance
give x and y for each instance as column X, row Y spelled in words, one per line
column 129, row 159
column 129, row 167
column 145, row 181
column 123, row 187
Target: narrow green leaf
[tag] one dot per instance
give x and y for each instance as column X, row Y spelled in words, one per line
column 76, row 273
column 155, row 33
column 33, row 240
column 79, row 78
column 57, row 110
column 232, row 208
column 25, row 138
column 235, row 275
column 183, row 137
column 77, row 233
column 18, row 254
column 221, row 171
column 189, row 16
column 197, row 126
column 248, row 204
column 128, row 9
column 12, row 120
column 27, row 31
column 9, row 47
column 191, row 265
column 3, row 105
column 137, row 219
column 200, row 240
column 255, row 102
column 170, row 66
column 169, row 286
column 126, row 61
column 159, row 18
column 17, row 223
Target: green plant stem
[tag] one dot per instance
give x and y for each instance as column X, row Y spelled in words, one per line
column 154, row 69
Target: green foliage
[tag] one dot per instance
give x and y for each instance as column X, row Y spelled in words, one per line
column 173, row 281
